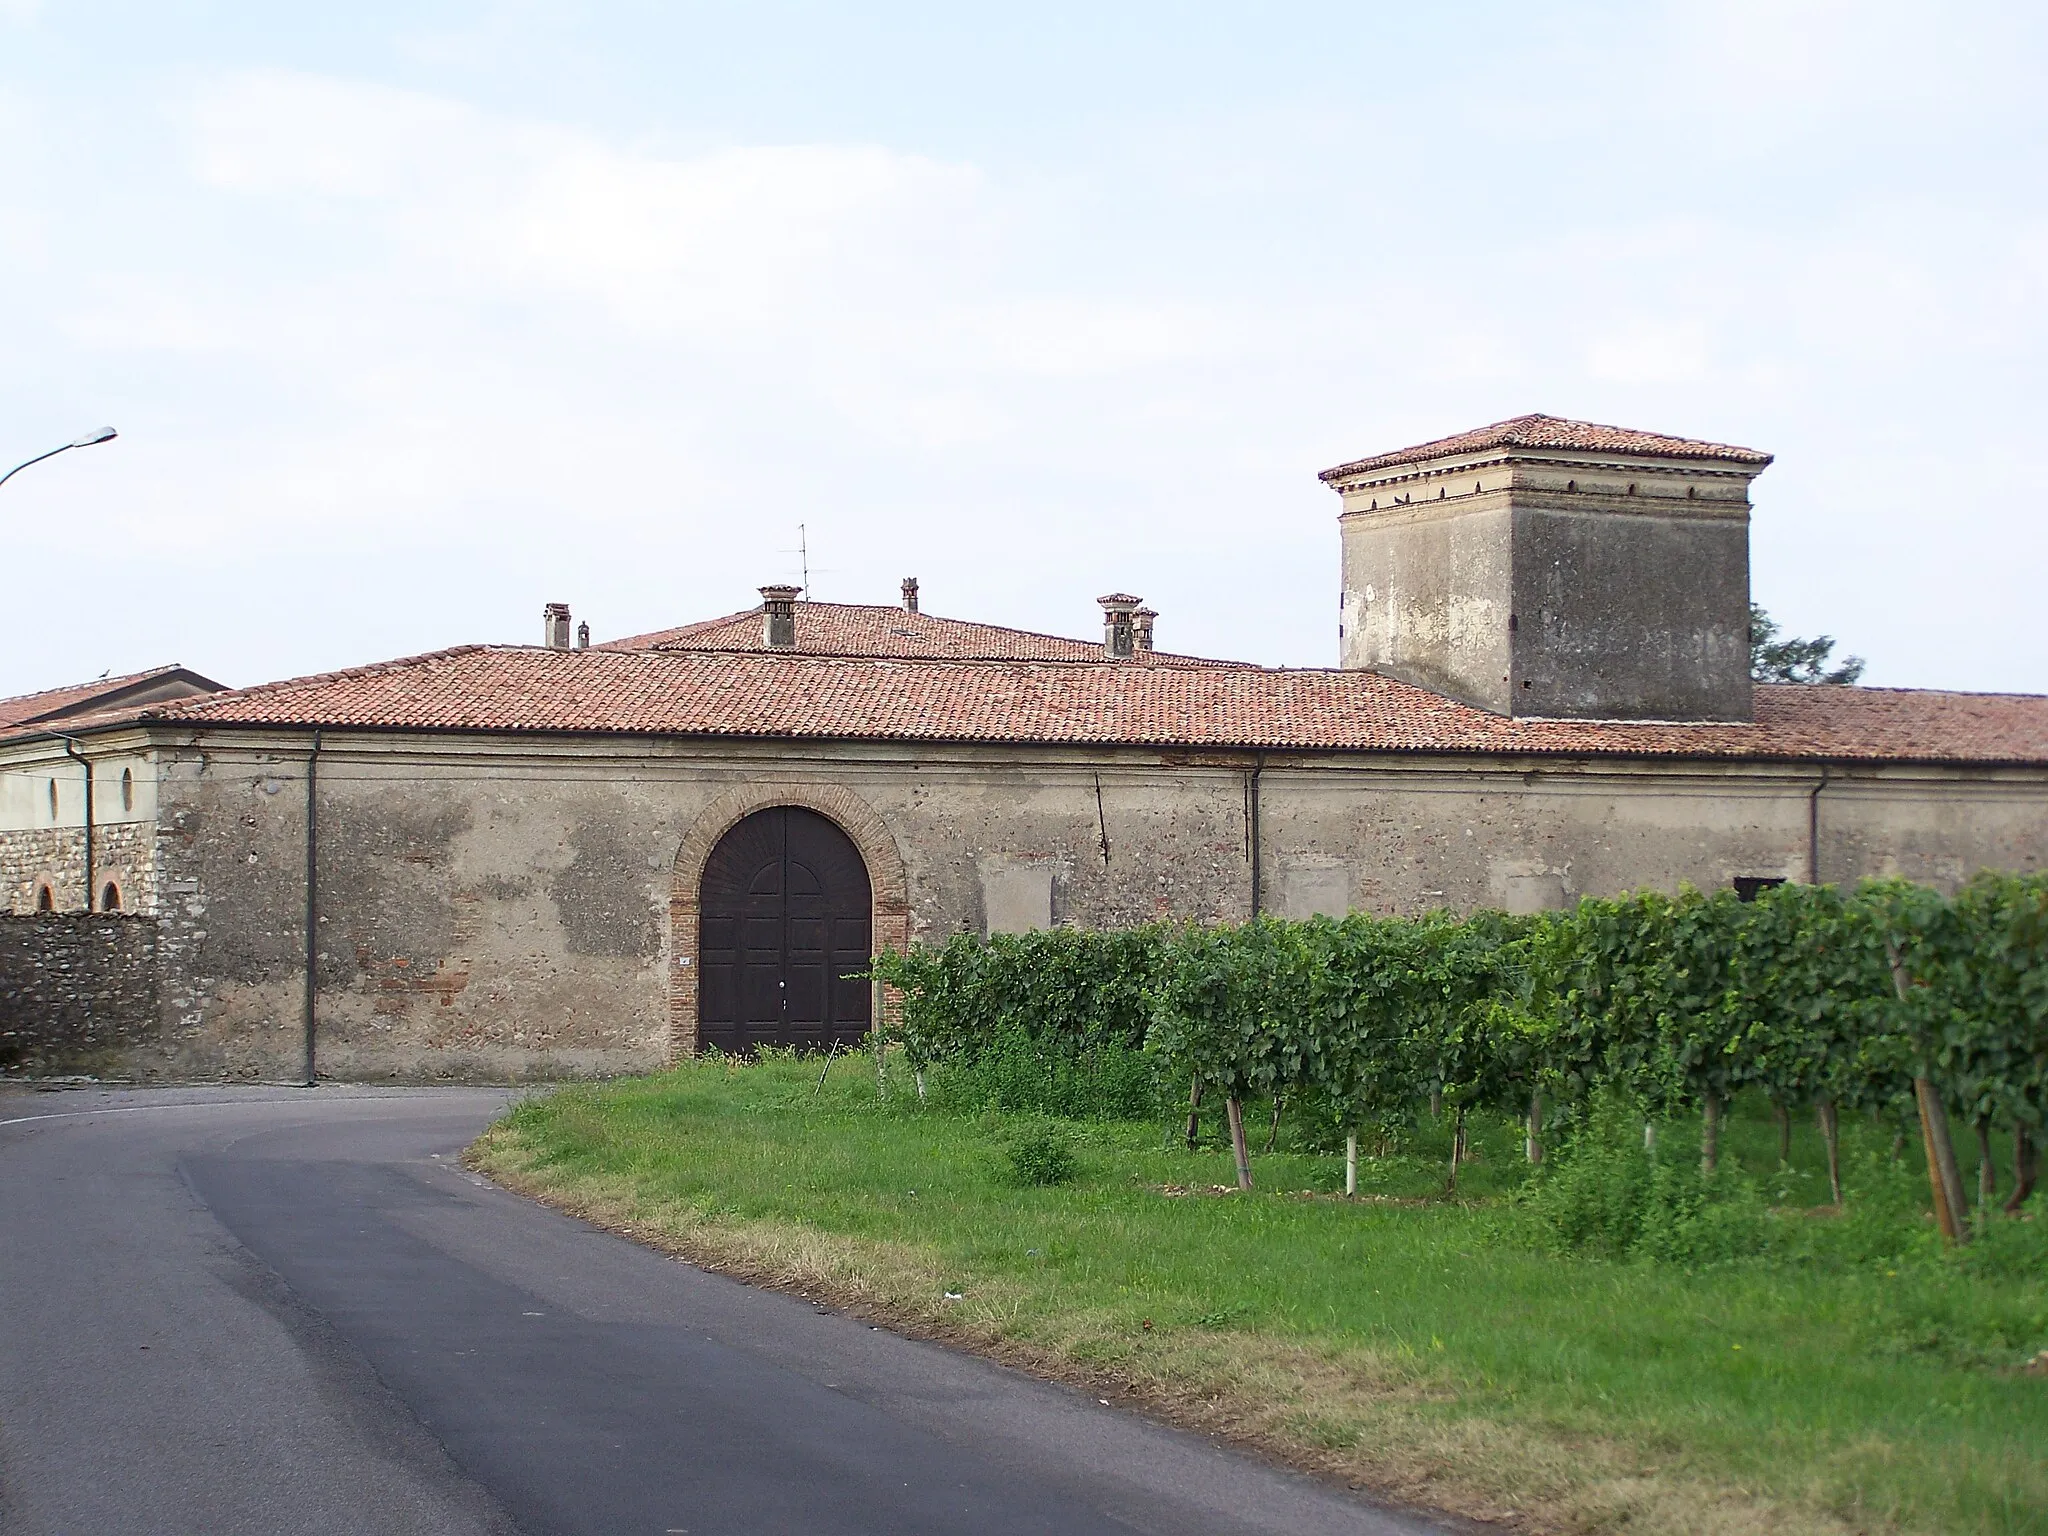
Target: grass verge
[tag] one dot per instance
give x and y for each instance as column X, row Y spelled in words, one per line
column 1408, row 1343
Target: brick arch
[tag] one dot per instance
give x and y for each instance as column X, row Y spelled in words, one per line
column 838, row 804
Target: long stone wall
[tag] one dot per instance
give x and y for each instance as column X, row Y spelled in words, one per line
column 78, row 994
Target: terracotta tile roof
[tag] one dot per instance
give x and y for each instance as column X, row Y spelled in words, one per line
column 102, row 692
column 738, row 694
column 1554, row 432
column 862, row 629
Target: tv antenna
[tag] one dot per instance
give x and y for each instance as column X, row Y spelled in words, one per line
column 803, row 555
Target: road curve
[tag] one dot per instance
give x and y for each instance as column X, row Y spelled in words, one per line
column 269, row 1310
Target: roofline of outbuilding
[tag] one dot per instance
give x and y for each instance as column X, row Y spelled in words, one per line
column 1266, row 750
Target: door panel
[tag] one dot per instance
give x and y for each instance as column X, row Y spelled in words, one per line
column 784, row 917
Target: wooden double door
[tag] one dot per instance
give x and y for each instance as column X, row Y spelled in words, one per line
column 786, row 922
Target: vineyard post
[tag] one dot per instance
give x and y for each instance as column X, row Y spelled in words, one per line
column 1350, row 1164
column 1532, row 1142
column 881, row 1043
column 1942, row 1173
column 1710, row 1133
column 1831, row 1135
column 1234, row 1111
column 1987, row 1176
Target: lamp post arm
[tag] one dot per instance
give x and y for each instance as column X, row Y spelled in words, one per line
column 104, row 435
column 36, row 460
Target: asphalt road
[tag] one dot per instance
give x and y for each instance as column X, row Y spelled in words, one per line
column 281, row 1310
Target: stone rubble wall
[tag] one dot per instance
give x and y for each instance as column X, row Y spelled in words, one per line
column 123, row 851
column 78, row 994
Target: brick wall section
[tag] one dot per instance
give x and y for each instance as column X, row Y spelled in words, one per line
column 78, row 993
column 123, row 851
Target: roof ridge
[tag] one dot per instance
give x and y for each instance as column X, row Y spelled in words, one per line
column 675, row 638
column 1512, row 432
column 110, row 682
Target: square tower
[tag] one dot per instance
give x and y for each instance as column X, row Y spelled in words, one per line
column 1552, row 568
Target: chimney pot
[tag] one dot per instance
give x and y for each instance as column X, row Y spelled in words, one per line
column 583, row 636
column 910, row 594
column 554, row 619
column 778, row 617
column 1118, row 609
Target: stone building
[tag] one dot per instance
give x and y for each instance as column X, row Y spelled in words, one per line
column 501, row 861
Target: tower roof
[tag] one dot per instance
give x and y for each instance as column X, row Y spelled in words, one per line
column 1536, row 431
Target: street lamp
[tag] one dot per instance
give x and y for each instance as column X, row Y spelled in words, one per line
column 105, row 434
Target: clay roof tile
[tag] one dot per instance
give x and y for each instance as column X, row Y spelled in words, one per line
column 1536, row 431
column 783, row 696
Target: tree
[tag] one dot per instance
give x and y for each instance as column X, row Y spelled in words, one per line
column 1788, row 660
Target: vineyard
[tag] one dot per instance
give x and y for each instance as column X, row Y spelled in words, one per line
column 1889, row 1000
column 1654, row 1215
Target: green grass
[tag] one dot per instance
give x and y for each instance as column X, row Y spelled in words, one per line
column 1853, row 1377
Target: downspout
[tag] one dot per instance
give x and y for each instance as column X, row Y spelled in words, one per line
column 1251, row 829
column 71, row 751
column 312, row 904
column 1813, row 829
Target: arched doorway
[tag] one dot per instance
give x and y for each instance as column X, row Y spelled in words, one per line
column 785, row 918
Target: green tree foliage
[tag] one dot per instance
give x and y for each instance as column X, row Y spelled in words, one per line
column 1776, row 658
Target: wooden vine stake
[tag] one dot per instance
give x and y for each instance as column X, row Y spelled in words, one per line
column 1940, row 1146
column 1234, row 1112
column 1532, row 1142
column 1710, row 1133
column 1831, row 1134
column 1350, row 1164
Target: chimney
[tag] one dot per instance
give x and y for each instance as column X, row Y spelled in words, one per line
column 583, row 636
column 554, row 621
column 1141, row 630
column 778, row 617
column 910, row 594
column 1118, row 610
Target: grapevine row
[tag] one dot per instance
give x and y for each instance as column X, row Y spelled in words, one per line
column 1824, row 999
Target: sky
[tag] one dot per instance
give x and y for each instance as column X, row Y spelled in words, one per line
column 413, row 318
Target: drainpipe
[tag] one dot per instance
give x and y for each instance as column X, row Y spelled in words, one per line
column 71, row 751
column 312, row 904
column 1251, row 825
column 1813, row 829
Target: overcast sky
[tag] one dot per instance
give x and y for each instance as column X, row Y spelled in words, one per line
column 415, row 317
